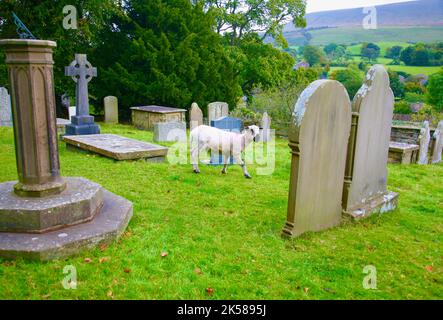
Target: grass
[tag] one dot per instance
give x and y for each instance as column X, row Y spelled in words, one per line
column 229, row 228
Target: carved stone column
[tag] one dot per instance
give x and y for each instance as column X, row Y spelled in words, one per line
column 30, row 68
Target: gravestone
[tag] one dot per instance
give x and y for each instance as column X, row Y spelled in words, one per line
column 318, row 138
column 217, row 110
column 111, row 109
column 424, row 139
column 44, row 216
column 265, row 135
column 170, row 132
column 438, row 136
column 227, row 124
column 365, row 187
column 72, row 112
column 82, row 73
column 195, row 116
column 5, row 108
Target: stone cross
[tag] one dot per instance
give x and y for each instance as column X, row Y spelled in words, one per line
column 217, row 110
column 365, row 188
column 438, row 147
column 5, row 108
column 425, row 139
column 81, row 72
column 318, row 138
column 195, row 116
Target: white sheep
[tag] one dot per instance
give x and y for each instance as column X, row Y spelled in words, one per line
column 204, row 138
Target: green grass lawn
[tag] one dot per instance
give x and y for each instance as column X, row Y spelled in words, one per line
column 229, row 228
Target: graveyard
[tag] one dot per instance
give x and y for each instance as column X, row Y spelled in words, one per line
column 104, row 197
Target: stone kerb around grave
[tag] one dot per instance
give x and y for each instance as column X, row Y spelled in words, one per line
column 318, row 139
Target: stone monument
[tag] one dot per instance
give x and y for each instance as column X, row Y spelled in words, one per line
column 365, row 187
column 81, row 72
column 195, row 116
column 265, row 135
column 111, row 109
column 438, row 146
column 44, row 216
column 425, row 139
column 318, row 138
column 5, row 108
column 217, row 110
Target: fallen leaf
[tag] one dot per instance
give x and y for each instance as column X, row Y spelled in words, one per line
column 209, row 291
column 46, row 296
column 103, row 247
column 88, row 260
column 127, row 270
column 110, row 294
column 104, row 259
column 198, row 271
column 429, row 268
column 164, row 254
column 306, row 290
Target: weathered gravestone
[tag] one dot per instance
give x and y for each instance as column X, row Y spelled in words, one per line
column 318, row 138
column 217, row 110
column 5, row 108
column 111, row 109
column 170, row 132
column 424, row 139
column 265, row 134
column 227, row 124
column 81, row 72
column 44, row 216
column 438, row 136
column 195, row 116
column 365, row 186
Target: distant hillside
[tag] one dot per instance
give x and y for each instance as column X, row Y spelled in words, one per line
column 413, row 21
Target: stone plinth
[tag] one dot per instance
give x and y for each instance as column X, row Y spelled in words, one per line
column 108, row 224
column 403, row 153
column 117, row 147
column 30, row 67
column 144, row 118
column 79, row 203
column 170, row 132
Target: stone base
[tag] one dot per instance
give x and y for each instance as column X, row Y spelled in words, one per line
column 117, row 147
column 381, row 204
column 107, row 225
column 76, row 130
column 79, row 203
column 403, row 153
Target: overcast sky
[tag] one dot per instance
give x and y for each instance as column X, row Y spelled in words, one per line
column 323, row 5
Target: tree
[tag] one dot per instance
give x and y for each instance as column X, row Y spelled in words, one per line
column 398, row 88
column 330, row 48
column 351, row 78
column 394, row 52
column 314, row 55
column 370, row 51
column 435, row 91
column 237, row 18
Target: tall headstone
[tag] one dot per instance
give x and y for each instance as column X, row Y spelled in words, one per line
column 111, row 109
column 365, row 186
column 44, row 216
column 438, row 146
column 424, row 139
column 265, row 135
column 195, row 116
column 318, row 138
column 217, row 110
column 81, row 72
column 5, row 108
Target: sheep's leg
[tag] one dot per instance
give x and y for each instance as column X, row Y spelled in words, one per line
column 195, row 154
column 226, row 161
column 240, row 161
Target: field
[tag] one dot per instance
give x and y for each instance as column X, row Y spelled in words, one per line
column 353, row 35
column 223, row 233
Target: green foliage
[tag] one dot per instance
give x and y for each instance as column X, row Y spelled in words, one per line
column 398, row 88
column 413, row 97
column 435, row 91
column 423, row 55
column 237, row 19
column 428, row 112
column 314, row 55
column 370, row 51
column 394, row 52
column 415, row 87
column 351, row 78
column 402, row 107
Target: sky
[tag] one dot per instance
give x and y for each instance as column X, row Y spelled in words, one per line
column 324, row 5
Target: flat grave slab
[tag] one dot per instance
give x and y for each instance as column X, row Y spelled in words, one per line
column 117, row 147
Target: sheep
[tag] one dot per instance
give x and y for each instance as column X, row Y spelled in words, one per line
column 227, row 143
